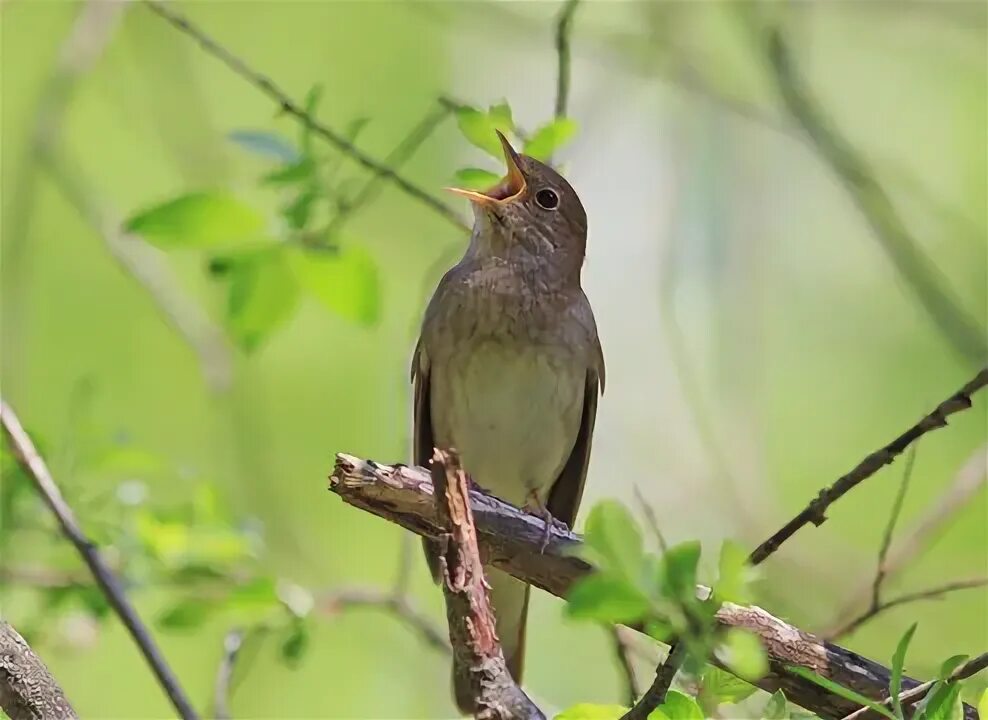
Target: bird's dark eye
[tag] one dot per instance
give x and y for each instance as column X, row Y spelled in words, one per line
column 547, row 199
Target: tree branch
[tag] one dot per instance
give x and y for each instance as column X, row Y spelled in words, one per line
column 930, row 289
column 564, row 25
column 815, row 511
column 475, row 643
column 34, row 466
column 512, row 541
column 286, row 104
column 27, row 690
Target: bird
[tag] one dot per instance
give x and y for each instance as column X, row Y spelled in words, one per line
column 508, row 368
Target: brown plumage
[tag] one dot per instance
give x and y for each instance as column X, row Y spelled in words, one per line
column 508, row 366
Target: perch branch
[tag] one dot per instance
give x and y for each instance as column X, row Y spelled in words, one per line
column 27, row 690
column 34, row 466
column 815, row 511
column 471, row 618
column 512, row 541
column 287, row 105
column 958, row 328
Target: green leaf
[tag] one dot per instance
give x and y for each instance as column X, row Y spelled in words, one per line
column 254, row 600
column 726, row 687
column 943, row 702
column 734, row 574
column 549, row 138
column 296, row 643
column 197, row 220
column 479, row 128
column 679, row 565
column 983, row 704
column 345, row 281
column 500, row 115
column 590, row 711
column 679, row 706
column 840, row 690
column 660, row 630
column 266, row 144
column 743, row 653
column 776, row 708
column 310, row 104
column 949, row 665
column 262, row 296
column 475, row 179
column 607, row 598
column 299, row 211
column 185, row 615
column 297, row 172
column 898, row 661
column 612, row 535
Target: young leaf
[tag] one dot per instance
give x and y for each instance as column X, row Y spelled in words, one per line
column 549, row 138
column 949, row 665
column 310, row 104
column 196, row 220
column 898, row 661
column 266, row 144
column 345, row 281
column 589, row 711
column 604, row 597
column 679, row 706
column 295, row 643
column 475, row 179
column 726, row 687
column 262, row 296
column 840, row 690
column 679, row 565
column 296, row 172
column 743, row 652
column 478, row 127
column 254, row 600
column 943, row 702
column 734, row 574
column 185, row 615
column 983, row 704
column 500, row 115
column 298, row 212
column 614, row 538
column 776, row 708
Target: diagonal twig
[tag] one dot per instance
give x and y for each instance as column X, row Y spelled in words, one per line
column 815, row 511
column 233, row 642
column 287, row 105
column 564, row 25
column 34, row 466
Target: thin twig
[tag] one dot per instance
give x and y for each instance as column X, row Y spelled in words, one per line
column 930, row 289
column 232, row 643
column 815, row 511
column 336, row 601
column 900, row 496
column 34, row 466
column 969, row 479
column 934, row 593
column 286, row 104
column 913, row 695
column 564, row 25
column 622, row 653
column 656, row 693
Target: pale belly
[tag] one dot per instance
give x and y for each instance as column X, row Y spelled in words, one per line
column 513, row 414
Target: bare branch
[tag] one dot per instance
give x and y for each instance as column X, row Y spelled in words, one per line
column 934, row 593
column 815, row 511
column 883, row 551
column 286, row 104
column 27, row 690
column 513, row 541
column 336, row 601
column 34, row 466
column 920, row 274
column 232, row 643
column 496, row 696
column 564, row 25
column 664, row 675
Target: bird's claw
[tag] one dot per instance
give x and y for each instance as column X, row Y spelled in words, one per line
column 535, row 507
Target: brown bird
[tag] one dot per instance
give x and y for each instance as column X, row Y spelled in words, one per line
column 508, row 367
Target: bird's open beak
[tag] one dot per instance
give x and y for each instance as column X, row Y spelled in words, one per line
column 511, row 186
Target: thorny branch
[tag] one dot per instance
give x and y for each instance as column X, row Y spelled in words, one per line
column 815, row 511
column 269, row 88
column 34, row 466
column 513, row 541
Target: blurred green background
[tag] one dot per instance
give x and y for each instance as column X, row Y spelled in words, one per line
column 759, row 341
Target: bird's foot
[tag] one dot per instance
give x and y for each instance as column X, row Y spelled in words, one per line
column 534, row 506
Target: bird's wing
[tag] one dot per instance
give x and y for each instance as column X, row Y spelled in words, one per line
column 564, row 498
column 423, row 442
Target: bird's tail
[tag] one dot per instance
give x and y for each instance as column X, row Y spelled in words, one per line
column 509, row 598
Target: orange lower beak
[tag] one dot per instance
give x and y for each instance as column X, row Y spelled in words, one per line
column 510, row 187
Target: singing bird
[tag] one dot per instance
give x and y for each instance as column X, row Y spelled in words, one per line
column 508, row 367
